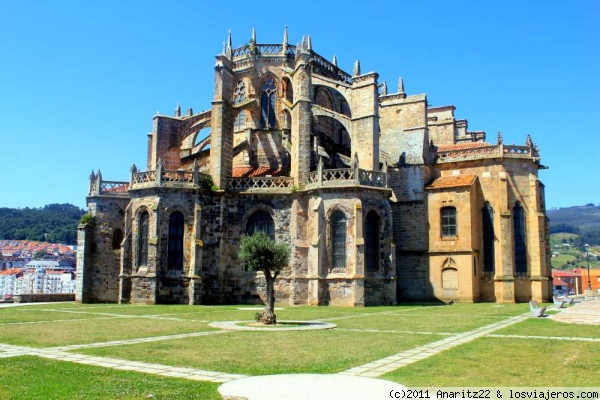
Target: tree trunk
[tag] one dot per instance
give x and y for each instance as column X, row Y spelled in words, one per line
column 268, row 317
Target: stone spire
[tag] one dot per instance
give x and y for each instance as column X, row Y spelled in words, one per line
column 500, row 138
column 356, row 71
column 178, row 110
column 308, row 43
column 229, row 51
column 334, row 61
column 400, row 86
column 528, row 141
column 253, row 40
column 285, row 37
column 384, row 89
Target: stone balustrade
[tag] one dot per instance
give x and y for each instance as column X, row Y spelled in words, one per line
column 345, row 177
column 485, row 151
column 279, row 183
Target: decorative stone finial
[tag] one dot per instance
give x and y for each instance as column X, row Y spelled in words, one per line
column 528, row 141
column 229, row 50
column 285, row 36
column 356, row 71
column 400, row 85
column 334, row 61
column 190, row 112
column 384, row 89
column 178, row 110
column 134, row 169
column 500, row 138
column 253, row 40
column 308, row 43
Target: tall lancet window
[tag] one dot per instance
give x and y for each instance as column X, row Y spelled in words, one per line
column 175, row 251
column 487, row 216
column 267, row 103
column 520, row 240
column 372, row 242
column 142, row 260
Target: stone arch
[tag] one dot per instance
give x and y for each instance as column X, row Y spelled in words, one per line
column 190, row 140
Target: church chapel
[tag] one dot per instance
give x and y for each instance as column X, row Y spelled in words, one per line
column 381, row 198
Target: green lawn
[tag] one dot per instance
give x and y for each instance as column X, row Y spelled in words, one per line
column 363, row 335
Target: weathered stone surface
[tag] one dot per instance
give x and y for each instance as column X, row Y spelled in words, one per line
column 343, row 150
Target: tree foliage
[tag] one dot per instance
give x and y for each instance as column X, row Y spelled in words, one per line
column 54, row 223
column 260, row 253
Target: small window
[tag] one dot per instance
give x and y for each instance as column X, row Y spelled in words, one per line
column 261, row 221
column 448, row 218
column 338, row 240
column 117, row 239
column 239, row 94
column 143, row 239
column 175, row 251
column 239, row 123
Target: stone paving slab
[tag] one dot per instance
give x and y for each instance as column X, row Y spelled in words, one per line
column 585, row 312
column 309, row 387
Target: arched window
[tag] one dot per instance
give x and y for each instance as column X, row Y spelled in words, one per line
column 261, row 221
column 175, row 251
column 143, row 239
column 117, row 239
column 267, row 103
column 448, row 221
column 487, row 217
column 520, row 240
column 239, row 93
column 372, row 241
column 239, row 123
column 338, row 241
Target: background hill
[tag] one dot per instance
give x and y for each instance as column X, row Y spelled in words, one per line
column 571, row 228
column 54, row 223
column 583, row 221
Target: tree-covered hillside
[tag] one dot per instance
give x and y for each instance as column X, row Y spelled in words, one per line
column 54, row 223
column 580, row 220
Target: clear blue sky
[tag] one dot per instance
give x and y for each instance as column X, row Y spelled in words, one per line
column 81, row 80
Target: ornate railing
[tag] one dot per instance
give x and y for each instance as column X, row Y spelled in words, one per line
column 260, row 183
column 160, row 177
column 140, row 178
column 113, row 187
column 331, row 69
column 486, row 151
column 345, row 176
column 266, row 49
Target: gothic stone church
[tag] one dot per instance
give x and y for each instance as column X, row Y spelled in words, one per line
column 381, row 198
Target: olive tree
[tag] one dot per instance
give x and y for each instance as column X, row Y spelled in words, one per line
column 260, row 253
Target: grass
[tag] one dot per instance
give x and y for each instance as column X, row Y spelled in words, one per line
column 28, row 377
column 500, row 362
column 321, row 351
column 363, row 335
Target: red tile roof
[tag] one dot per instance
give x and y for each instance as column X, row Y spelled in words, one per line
column 452, row 181
column 254, row 172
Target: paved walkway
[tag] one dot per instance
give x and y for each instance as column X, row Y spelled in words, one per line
column 586, row 312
